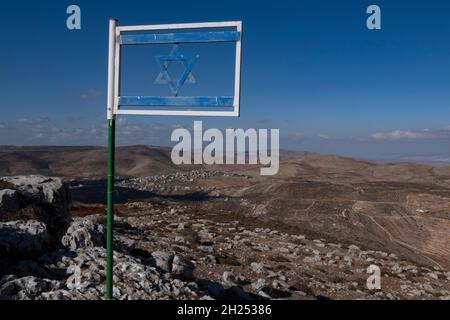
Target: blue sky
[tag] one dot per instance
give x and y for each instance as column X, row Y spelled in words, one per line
column 310, row 68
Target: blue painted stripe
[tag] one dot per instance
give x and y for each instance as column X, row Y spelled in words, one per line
column 221, row 101
column 180, row 37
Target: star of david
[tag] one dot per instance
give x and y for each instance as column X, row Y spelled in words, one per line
column 186, row 78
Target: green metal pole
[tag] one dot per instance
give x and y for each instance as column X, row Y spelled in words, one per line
column 110, row 209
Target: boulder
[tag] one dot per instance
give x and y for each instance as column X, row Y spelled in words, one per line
column 259, row 284
column 9, row 201
column 259, row 268
column 36, row 198
column 23, row 239
column 182, row 268
column 206, row 249
column 215, row 289
column 237, row 293
column 312, row 259
column 26, row 288
column 39, row 189
column 163, row 260
column 84, row 233
column 230, row 278
column 353, row 250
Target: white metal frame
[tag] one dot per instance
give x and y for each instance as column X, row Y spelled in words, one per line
column 114, row 69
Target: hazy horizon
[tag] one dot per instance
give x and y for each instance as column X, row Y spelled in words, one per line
column 437, row 160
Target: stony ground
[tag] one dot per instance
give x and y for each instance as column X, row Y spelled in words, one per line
column 272, row 264
column 182, row 248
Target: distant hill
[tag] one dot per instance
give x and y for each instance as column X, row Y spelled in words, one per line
column 87, row 162
column 84, row 162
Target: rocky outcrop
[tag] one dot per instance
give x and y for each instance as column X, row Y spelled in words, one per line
column 39, row 189
column 23, row 239
column 80, row 267
column 36, row 198
column 133, row 280
column 25, row 288
column 84, row 233
column 9, row 201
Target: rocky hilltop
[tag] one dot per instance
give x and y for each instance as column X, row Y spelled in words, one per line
column 184, row 243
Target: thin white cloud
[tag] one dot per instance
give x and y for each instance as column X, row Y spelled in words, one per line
column 411, row 135
column 43, row 131
column 34, row 121
column 295, row 137
column 91, row 94
column 325, row 137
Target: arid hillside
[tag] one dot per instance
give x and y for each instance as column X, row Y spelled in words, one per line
column 83, row 162
column 90, row 162
column 399, row 207
column 403, row 207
